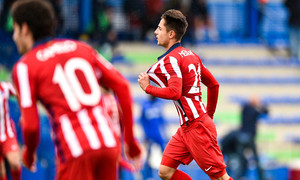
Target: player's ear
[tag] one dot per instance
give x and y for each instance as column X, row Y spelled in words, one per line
column 25, row 28
column 172, row 34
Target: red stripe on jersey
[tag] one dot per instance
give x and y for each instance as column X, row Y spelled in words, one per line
column 6, row 130
column 91, row 132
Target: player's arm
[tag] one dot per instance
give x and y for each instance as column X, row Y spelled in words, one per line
column 173, row 90
column 112, row 79
column 212, row 90
column 29, row 113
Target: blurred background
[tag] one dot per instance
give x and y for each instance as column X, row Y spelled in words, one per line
column 250, row 46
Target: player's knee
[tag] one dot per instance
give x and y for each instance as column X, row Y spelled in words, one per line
column 14, row 165
column 13, row 160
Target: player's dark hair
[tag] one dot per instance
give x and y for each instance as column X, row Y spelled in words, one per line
column 38, row 14
column 176, row 21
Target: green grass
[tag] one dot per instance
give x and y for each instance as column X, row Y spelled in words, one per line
column 144, row 57
column 269, row 136
column 229, row 118
column 4, row 74
column 284, row 155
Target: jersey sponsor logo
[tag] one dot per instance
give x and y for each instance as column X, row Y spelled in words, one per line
column 186, row 53
column 56, row 48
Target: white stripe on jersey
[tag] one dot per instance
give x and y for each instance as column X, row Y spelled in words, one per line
column 108, row 137
column 192, row 106
column 8, row 125
column 152, row 74
column 202, row 107
column 201, row 104
column 179, row 112
column 2, row 118
column 182, row 111
column 88, row 129
column 7, row 87
column 175, row 66
column 70, row 136
column 25, row 95
column 163, row 69
column 11, row 88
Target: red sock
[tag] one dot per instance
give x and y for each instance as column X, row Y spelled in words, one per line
column 16, row 173
column 3, row 178
column 180, row 175
column 230, row 178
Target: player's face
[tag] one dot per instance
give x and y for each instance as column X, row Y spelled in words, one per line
column 162, row 35
column 18, row 39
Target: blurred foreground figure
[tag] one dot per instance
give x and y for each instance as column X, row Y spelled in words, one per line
column 179, row 73
column 237, row 142
column 9, row 148
column 111, row 106
column 65, row 76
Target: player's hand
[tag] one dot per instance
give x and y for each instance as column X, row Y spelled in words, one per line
column 135, row 153
column 144, row 80
column 28, row 160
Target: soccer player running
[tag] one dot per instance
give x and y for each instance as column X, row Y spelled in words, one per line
column 9, row 148
column 179, row 73
column 65, row 76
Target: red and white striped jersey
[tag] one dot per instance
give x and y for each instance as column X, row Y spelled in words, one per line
column 65, row 76
column 110, row 104
column 184, row 66
column 6, row 124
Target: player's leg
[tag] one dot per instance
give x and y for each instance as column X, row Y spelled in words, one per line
column 2, row 169
column 11, row 152
column 201, row 139
column 174, row 154
column 169, row 173
column 14, row 164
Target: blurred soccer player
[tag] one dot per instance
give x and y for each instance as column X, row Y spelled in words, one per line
column 179, row 73
column 65, row 76
column 111, row 106
column 9, row 148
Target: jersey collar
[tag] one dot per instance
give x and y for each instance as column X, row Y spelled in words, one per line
column 171, row 49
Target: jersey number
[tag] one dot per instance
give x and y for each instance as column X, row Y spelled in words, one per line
column 195, row 88
column 71, row 88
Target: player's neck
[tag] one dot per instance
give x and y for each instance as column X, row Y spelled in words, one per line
column 29, row 44
column 28, row 39
column 171, row 44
